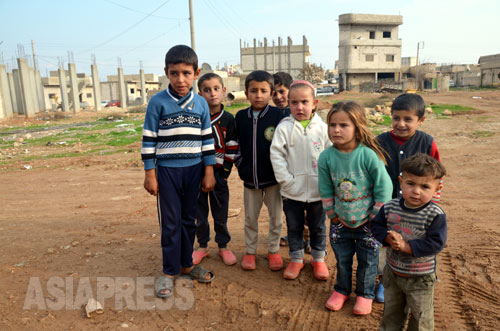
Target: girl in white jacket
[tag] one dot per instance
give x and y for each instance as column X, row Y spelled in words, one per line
column 297, row 143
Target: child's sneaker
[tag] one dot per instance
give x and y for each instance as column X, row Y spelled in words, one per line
column 198, row 256
column 363, row 306
column 227, row 256
column 320, row 270
column 292, row 270
column 275, row 261
column 336, row 301
column 379, row 292
column 248, row 262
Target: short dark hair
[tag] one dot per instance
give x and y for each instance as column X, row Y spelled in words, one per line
column 283, row 78
column 410, row 102
column 422, row 165
column 181, row 54
column 208, row 76
column 259, row 76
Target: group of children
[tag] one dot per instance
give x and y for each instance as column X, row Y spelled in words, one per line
column 377, row 191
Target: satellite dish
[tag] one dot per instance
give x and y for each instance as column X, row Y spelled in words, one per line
column 206, row 67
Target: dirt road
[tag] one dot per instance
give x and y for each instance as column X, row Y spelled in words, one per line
column 82, row 222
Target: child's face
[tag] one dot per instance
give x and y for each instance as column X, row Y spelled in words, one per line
column 181, row 76
column 259, row 94
column 213, row 91
column 302, row 103
column 342, row 132
column 280, row 96
column 405, row 123
column 418, row 190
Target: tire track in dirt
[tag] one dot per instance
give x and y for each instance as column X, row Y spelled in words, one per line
column 306, row 315
column 449, row 297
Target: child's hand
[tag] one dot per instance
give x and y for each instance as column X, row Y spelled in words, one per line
column 397, row 242
column 393, row 238
column 150, row 182
column 208, row 182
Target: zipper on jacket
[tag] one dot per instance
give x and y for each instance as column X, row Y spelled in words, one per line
column 254, row 153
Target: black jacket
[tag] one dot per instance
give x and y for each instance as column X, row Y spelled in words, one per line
column 420, row 142
column 254, row 138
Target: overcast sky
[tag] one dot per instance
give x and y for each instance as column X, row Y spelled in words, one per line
column 453, row 31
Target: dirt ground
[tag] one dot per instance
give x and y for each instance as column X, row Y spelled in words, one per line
column 73, row 221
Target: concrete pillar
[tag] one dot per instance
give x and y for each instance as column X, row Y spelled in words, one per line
column 304, row 50
column 74, row 97
column 289, row 55
column 64, row 92
column 143, row 86
column 34, row 94
column 97, row 86
column 26, row 83
column 265, row 54
column 241, row 57
column 122, row 89
column 279, row 53
column 274, row 58
column 254, row 54
column 19, row 91
column 4, row 90
column 39, row 91
column 12, row 89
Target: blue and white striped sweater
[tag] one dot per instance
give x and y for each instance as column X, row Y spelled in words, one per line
column 177, row 132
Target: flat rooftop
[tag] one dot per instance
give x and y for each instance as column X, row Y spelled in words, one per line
column 370, row 19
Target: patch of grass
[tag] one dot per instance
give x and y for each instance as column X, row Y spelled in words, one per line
column 235, row 106
column 475, row 88
column 483, row 119
column 387, row 120
column 482, row 134
column 439, row 108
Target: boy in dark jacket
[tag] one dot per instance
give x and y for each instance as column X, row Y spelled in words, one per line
column 255, row 127
column 211, row 87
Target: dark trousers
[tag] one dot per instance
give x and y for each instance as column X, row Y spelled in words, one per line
column 298, row 212
column 219, row 203
column 178, row 191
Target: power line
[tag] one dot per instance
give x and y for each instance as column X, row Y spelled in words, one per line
column 147, row 42
column 141, row 12
column 127, row 29
column 226, row 23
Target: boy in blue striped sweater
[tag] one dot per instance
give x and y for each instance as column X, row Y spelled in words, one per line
column 177, row 147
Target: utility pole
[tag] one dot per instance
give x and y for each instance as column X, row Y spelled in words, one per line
column 191, row 25
column 193, row 43
column 416, row 66
column 34, row 56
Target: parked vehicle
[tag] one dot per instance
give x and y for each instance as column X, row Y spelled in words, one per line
column 114, row 103
column 104, row 103
column 324, row 90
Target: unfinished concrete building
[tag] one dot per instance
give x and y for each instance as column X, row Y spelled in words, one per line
column 490, row 70
column 275, row 57
column 110, row 89
column 369, row 49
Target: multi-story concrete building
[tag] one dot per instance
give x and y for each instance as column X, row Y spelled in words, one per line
column 490, row 69
column 273, row 58
column 369, row 49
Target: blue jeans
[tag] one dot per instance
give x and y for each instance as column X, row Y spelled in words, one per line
column 345, row 242
column 296, row 213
